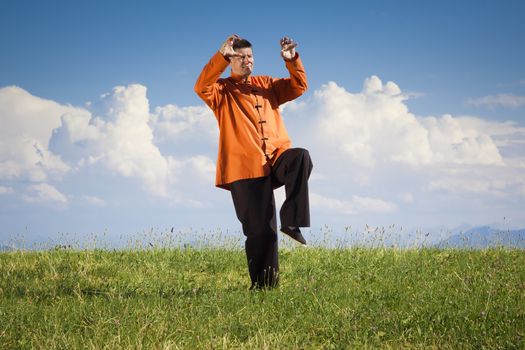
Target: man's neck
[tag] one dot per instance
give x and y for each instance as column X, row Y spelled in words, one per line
column 241, row 78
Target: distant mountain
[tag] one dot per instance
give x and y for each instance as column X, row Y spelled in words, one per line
column 484, row 237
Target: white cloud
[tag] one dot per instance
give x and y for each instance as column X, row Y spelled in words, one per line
column 43, row 192
column 357, row 205
column 373, row 205
column 43, row 140
column 369, row 142
column 193, row 168
column 321, row 202
column 96, row 201
column 372, row 126
column 203, row 165
column 458, row 184
column 6, row 190
column 120, row 138
column 172, row 122
column 407, row 197
column 366, row 143
column 27, row 123
column 454, row 140
column 499, row 100
column 375, row 126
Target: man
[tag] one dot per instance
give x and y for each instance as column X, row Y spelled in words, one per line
column 255, row 154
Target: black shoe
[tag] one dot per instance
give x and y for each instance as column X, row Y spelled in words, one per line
column 294, row 233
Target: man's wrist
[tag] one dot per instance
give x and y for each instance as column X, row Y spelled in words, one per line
column 293, row 58
column 225, row 56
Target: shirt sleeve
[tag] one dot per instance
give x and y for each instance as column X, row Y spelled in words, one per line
column 206, row 86
column 287, row 89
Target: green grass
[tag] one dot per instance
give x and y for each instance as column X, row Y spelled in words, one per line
column 327, row 299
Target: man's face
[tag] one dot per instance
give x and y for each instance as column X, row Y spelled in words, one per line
column 243, row 64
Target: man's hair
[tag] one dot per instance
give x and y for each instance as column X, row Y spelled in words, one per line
column 241, row 44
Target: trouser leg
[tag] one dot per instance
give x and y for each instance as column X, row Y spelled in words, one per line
column 292, row 170
column 255, row 208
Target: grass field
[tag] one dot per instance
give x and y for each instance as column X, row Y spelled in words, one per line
column 189, row 298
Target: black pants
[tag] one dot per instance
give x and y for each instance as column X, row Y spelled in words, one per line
column 255, row 208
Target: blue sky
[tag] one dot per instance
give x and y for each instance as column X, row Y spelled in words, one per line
column 414, row 114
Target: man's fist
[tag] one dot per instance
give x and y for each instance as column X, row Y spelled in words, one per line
column 227, row 47
column 288, row 48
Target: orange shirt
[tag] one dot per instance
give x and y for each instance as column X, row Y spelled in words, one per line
column 252, row 134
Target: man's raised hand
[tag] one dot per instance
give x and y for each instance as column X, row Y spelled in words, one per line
column 288, row 48
column 227, row 47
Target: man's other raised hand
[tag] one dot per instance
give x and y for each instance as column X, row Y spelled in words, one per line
column 288, row 48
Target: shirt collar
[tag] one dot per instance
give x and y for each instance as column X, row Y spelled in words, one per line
column 239, row 79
